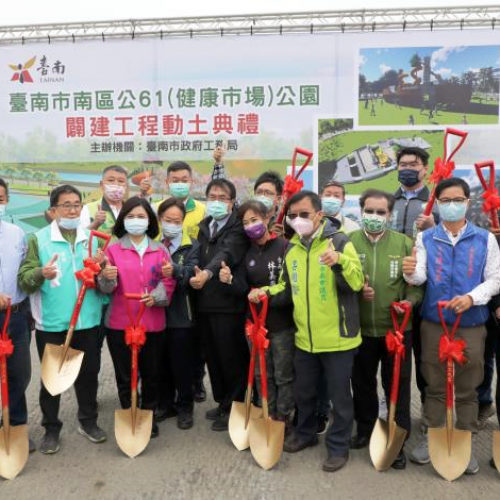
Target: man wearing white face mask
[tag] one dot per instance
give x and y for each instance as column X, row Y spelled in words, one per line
column 57, row 251
column 459, row 262
column 101, row 214
column 332, row 201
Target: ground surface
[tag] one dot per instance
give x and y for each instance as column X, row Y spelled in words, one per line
column 202, row 464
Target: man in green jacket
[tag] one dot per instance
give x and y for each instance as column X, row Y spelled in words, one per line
column 381, row 252
column 321, row 275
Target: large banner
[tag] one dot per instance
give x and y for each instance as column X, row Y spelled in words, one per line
column 69, row 109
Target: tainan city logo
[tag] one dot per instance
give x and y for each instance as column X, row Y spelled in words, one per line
column 21, row 73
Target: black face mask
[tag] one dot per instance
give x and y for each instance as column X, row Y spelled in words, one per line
column 408, row 177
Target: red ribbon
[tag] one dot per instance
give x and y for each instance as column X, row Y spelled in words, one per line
column 452, row 349
column 87, row 275
column 491, row 200
column 257, row 334
column 135, row 335
column 292, row 186
column 6, row 347
column 394, row 343
column 441, row 171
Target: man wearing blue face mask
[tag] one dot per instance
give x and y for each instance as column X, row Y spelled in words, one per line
column 459, row 262
column 332, row 201
column 48, row 275
column 268, row 189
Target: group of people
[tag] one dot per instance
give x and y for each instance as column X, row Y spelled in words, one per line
column 329, row 283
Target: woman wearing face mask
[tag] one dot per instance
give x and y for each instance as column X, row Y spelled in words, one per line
column 262, row 267
column 176, row 394
column 135, row 265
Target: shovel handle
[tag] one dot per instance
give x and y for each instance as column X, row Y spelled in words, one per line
column 6, row 321
column 101, row 236
column 263, row 373
column 78, row 307
column 4, row 382
column 133, row 296
column 134, row 372
column 303, row 152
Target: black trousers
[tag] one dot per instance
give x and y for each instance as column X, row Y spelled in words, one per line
column 371, row 352
column 227, row 355
column 199, row 360
column 85, row 384
column 176, row 371
column 417, row 353
column 337, row 367
column 148, row 367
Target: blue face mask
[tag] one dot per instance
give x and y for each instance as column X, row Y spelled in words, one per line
column 266, row 201
column 331, row 205
column 69, row 224
column 452, row 212
column 136, row 226
column 170, row 230
column 179, row 189
column 217, row 209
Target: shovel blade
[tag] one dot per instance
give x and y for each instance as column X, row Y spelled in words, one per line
column 450, row 461
column 496, row 449
column 383, row 451
column 133, row 441
column 13, row 461
column 266, row 441
column 57, row 378
column 237, row 419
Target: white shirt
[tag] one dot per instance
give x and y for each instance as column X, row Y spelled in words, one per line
column 480, row 295
column 348, row 225
column 85, row 221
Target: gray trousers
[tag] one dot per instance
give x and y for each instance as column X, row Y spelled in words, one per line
column 467, row 377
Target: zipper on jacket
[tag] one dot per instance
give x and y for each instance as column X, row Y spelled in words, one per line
column 190, row 315
column 405, row 215
column 307, row 300
column 373, row 282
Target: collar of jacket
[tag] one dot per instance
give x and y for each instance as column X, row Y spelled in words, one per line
column 56, row 235
column 190, row 204
column 126, row 242
column 205, row 223
column 422, row 195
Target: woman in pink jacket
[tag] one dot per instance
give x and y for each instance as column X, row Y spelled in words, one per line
column 134, row 265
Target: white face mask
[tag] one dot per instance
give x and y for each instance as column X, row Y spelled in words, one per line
column 136, row 226
column 69, row 224
column 303, row 227
column 114, row 192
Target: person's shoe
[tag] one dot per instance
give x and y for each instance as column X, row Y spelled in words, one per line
column 331, row 464
column 322, row 423
column 185, row 420
column 400, row 462
column 32, row 446
column 360, row 441
column 162, row 414
column 486, row 411
column 420, row 454
column 492, row 463
column 155, row 430
column 473, row 467
column 214, row 413
column 293, row 444
column 221, row 422
column 93, row 433
column 50, row 443
column 200, row 394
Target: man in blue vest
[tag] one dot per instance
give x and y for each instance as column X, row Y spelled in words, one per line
column 460, row 264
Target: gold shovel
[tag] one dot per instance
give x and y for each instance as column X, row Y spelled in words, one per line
column 449, row 448
column 388, row 438
column 266, row 436
column 133, row 426
column 61, row 363
column 14, row 441
column 496, row 449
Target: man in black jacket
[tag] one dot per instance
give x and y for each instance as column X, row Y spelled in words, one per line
column 221, row 309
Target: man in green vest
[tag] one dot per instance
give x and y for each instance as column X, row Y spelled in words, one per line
column 47, row 274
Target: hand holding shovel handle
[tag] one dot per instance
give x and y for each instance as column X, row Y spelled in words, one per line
column 292, row 183
column 443, row 167
column 491, row 202
column 6, row 350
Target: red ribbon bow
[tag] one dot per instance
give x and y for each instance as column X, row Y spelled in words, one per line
column 291, row 186
column 491, row 200
column 452, row 349
column 6, row 347
column 135, row 335
column 257, row 334
column 394, row 343
column 90, row 270
column 441, row 171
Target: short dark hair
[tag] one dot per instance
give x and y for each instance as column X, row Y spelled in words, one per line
column 377, row 193
column 5, row 186
column 64, row 189
column 116, row 168
column 179, row 165
column 315, row 200
column 273, row 178
column 224, row 184
column 256, row 206
column 153, row 230
column 334, row 184
column 453, row 182
column 418, row 152
column 169, row 203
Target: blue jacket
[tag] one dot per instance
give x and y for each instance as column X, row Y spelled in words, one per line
column 454, row 270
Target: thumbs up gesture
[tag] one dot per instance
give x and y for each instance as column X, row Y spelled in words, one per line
column 199, row 279
column 330, row 257
column 100, row 218
column 167, row 269
column 225, row 275
column 368, row 291
column 109, row 272
column 410, row 263
column 49, row 271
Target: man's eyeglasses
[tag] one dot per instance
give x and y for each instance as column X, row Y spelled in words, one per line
column 371, row 211
column 302, row 215
column 67, row 207
column 264, row 192
column 447, row 201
